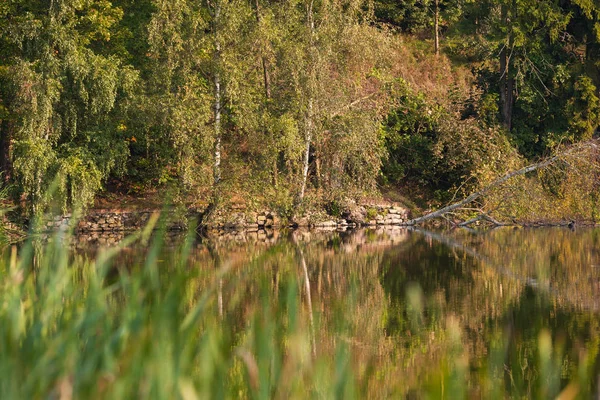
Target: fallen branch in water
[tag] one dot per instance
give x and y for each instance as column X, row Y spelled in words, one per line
column 483, row 217
column 574, row 150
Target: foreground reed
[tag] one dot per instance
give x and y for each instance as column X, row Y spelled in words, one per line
column 192, row 324
column 74, row 327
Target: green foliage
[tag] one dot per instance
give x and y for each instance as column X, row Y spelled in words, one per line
column 96, row 91
column 584, row 109
column 552, row 89
column 283, row 202
column 410, row 132
column 430, row 146
column 33, row 160
column 78, row 179
column 63, row 97
column 414, row 16
column 334, row 208
column 371, row 213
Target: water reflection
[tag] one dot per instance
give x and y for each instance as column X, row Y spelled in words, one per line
column 502, row 313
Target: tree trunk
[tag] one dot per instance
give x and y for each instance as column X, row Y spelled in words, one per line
column 318, row 169
column 5, row 149
column 436, row 28
column 217, row 111
column 506, row 79
column 506, row 90
column 267, row 87
column 307, row 141
column 265, row 63
column 309, row 125
column 217, row 93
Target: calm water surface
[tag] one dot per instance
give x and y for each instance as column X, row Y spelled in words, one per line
column 503, row 313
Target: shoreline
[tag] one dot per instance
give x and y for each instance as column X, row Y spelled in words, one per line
column 115, row 223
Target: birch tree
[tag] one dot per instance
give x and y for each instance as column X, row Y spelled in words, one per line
column 63, row 95
column 176, row 105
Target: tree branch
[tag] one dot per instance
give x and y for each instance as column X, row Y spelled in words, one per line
column 474, row 196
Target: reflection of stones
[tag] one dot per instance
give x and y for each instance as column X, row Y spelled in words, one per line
column 354, row 240
column 100, row 238
column 333, row 241
column 90, row 240
column 255, row 234
column 383, row 236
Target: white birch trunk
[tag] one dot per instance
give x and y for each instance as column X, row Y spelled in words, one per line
column 217, row 111
column 307, row 139
column 217, row 93
column 308, row 134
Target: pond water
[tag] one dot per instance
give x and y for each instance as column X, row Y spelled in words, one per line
column 461, row 314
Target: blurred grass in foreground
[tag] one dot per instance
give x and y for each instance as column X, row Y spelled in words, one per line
column 71, row 327
column 172, row 327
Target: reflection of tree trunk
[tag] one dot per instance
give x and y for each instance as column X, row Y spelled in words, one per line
column 506, row 80
column 436, row 27
column 220, row 298
column 509, row 333
column 217, row 263
column 452, row 243
column 308, row 298
column 5, row 149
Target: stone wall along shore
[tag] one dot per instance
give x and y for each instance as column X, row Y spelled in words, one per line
column 115, row 220
column 363, row 215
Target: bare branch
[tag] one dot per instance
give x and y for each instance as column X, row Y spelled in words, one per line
column 574, row 150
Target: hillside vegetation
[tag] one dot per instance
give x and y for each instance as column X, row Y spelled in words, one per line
column 297, row 102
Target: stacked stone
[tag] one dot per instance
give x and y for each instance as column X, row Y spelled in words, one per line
column 119, row 220
column 258, row 221
column 133, row 220
column 253, row 222
column 385, row 215
column 58, row 221
column 12, row 226
column 102, row 221
column 388, row 215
